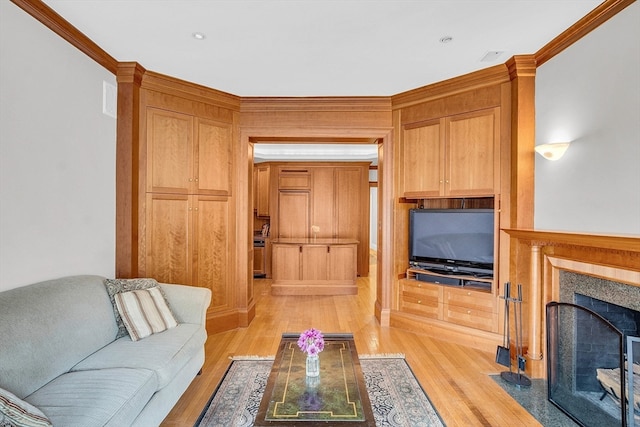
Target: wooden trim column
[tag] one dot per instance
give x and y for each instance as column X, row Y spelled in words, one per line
column 534, row 351
column 129, row 78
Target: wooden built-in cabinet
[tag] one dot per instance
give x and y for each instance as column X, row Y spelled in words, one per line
column 452, row 156
column 187, row 241
column 187, row 154
column 466, row 306
column 314, row 267
column 332, row 198
column 188, row 222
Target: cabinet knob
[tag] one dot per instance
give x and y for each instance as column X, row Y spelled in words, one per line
column 468, row 311
column 196, row 179
column 419, row 301
column 468, row 293
column 190, row 179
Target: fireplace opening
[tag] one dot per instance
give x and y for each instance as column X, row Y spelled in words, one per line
column 586, row 347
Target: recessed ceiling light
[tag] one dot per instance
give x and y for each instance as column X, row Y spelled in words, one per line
column 198, row 36
column 446, row 39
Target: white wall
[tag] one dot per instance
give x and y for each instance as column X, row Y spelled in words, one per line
column 590, row 94
column 57, row 157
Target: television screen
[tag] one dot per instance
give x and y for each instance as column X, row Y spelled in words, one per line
column 452, row 240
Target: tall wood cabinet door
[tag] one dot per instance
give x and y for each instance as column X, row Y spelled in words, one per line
column 473, row 144
column 349, row 211
column 323, row 202
column 286, row 262
column 262, row 190
column 293, row 214
column 213, row 157
column 169, row 152
column 342, row 262
column 168, row 232
column 314, row 262
column 423, row 159
column 211, row 248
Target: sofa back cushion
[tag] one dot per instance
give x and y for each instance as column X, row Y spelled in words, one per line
column 48, row 327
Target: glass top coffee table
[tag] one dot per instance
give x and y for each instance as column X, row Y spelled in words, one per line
column 337, row 397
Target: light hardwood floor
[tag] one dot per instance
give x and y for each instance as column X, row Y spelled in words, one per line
column 455, row 377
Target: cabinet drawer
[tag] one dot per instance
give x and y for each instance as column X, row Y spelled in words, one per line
column 294, row 179
column 421, row 288
column 421, row 299
column 472, row 318
column 470, row 299
column 416, row 304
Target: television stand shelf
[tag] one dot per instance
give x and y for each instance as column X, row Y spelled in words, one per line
column 470, row 304
column 467, row 281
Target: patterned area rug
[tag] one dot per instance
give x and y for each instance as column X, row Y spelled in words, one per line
column 397, row 399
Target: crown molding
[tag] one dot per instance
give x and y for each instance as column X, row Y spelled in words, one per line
column 182, row 88
column 482, row 78
column 68, row 32
column 333, row 104
column 584, row 26
column 521, row 66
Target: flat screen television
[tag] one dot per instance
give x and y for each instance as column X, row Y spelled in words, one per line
column 452, row 241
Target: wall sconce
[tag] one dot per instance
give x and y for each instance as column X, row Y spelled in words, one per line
column 552, row 151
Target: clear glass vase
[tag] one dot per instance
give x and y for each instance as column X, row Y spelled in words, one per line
column 313, row 365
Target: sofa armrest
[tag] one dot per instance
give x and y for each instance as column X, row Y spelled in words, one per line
column 188, row 303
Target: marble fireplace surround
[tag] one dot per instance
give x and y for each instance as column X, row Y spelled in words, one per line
column 539, row 257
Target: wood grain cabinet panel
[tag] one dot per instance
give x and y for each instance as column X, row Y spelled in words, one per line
column 168, row 232
column 342, row 263
column 262, row 179
column 170, row 165
column 211, row 248
column 293, row 213
column 213, row 157
column 315, row 262
column 286, row 262
column 423, row 159
column 473, row 145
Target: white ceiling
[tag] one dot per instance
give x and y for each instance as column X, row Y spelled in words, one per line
column 319, row 47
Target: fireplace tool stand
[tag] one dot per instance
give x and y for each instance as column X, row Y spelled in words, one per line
column 518, row 378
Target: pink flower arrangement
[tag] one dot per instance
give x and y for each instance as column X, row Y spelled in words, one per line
column 311, row 342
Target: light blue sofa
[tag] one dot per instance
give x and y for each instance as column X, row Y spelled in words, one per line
column 58, row 352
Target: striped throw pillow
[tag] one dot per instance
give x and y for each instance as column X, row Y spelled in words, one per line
column 144, row 312
column 17, row 412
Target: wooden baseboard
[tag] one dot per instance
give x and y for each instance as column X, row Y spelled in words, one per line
column 474, row 338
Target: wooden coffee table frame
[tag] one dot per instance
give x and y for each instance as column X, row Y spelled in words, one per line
column 281, row 378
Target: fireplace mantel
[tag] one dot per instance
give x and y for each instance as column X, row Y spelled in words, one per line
column 538, row 256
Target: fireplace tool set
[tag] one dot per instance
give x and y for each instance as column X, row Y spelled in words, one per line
column 503, row 353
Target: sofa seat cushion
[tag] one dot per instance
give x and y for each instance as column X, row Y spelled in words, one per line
column 166, row 353
column 106, row 397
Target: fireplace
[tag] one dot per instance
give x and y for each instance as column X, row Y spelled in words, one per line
column 586, row 271
column 587, row 335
